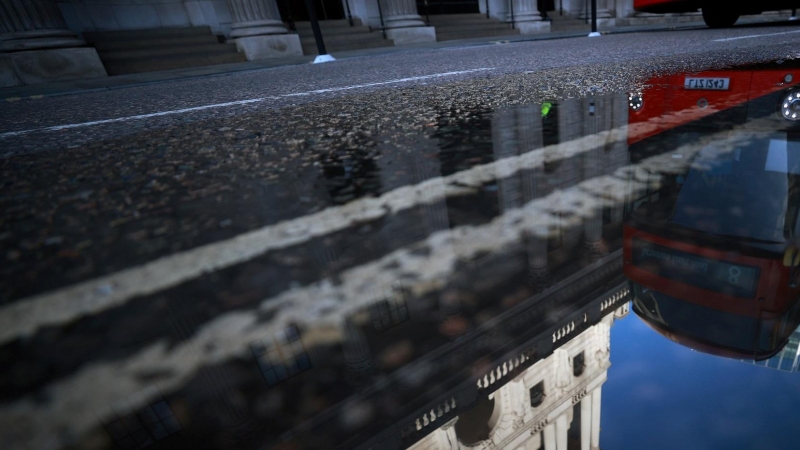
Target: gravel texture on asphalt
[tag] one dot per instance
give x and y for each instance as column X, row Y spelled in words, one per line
column 94, row 204
column 671, row 50
column 86, row 202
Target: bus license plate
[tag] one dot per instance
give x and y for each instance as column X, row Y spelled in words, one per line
column 713, row 84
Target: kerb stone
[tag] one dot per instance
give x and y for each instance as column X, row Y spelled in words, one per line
column 8, row 76
column 42, row 66
column 533, row 27
column 411, row 35
column 269, row 46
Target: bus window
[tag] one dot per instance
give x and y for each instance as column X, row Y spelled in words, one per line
column 742, row 193
column 712, row 330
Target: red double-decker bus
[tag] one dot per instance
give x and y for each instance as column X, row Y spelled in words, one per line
column 710, row 247
column 671, row 101
column 716, row 13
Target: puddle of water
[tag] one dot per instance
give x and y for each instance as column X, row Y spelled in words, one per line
column 457, row 286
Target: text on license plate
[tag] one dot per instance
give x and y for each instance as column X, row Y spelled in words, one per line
column 715, row 84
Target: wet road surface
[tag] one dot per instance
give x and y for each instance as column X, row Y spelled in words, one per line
column 402, row 265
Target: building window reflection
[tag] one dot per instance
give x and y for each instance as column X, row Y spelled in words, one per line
column 578, row 364
column 390, row 312
column 537, row 394
column 282, row 356
column 475, row 425
column 141, row 429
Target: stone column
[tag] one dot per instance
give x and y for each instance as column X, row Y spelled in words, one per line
column 550, row 437
column 505, row 144
column 534, row 443
column 259, row 32
column 605, row 9
column 562, row 427
column 605, row 13
column 357, row 355
column 34, row 25
column 605, row 16
column 403, row 23
column 538, row 268
column 204, row 13
column 596, row 398
column 593, row 245
column 36, row 46
column 528, row 19
column 624, row 8
column 586, row 422
column 446, row 435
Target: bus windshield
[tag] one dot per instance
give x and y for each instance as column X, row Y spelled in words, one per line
column 747, row 193
column 713, row 327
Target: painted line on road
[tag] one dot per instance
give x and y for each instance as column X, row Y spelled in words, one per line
column 239, row 102
column 25, row 316
column 76, row 400
column 752, row 36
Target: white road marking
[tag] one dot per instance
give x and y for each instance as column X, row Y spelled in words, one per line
column 753, row 36
column 77, row 401
column 25, row 316
column 239, row 103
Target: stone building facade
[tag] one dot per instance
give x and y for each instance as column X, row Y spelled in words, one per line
column 46, row 40
column 537, row 409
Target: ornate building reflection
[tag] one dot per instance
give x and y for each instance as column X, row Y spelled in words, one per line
column 551, row 405
column 472, row 313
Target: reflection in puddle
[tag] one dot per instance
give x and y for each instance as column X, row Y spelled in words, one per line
column 710, row 247
column 457, row 290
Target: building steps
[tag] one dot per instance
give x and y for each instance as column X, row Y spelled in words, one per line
column 439, row 19
column 131, row 35
column 340, row 36
column 154, row 65
column 467, row 26
column 330, row 25
column 567, row 23
column 156, row 42
column 168, row 52
column 150, row 50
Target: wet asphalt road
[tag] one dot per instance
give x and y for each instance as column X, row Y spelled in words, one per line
column 338, row 195
column 97, row 198
column 607, row 63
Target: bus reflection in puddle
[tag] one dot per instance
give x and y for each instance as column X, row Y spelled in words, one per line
column 711, row 245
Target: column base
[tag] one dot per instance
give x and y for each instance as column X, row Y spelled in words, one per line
column 42, row 66
column 404, row 21
column 411, row 35
column 605, row 24
column 272, row 46
column 258, row 28
column 8, row 76
column 533, row 27
column 40, row 40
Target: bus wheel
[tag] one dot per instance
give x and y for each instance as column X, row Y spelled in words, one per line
column 791, row 258
column 719, row 15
